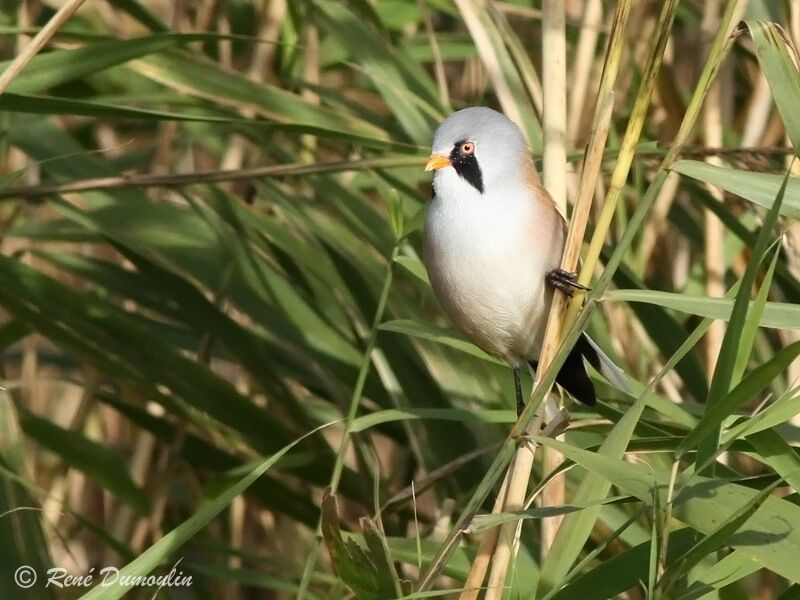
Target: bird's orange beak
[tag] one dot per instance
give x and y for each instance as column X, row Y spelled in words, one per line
column 437, row 161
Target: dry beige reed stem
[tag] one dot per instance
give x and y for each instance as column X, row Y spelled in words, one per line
column 627, row 151
column 554, row 72
column 554, row 125
column 529, row 76
column 472, row 585
column 758, row 113
column 582, row 66
column 216, row 176
column 580, row 218
column 554, row 121
column 477, row 572
column 469, row 12
column 38, row 42
column 518, row 476
column 523, row 463
column 438, row 63
column 147, row 180
column 714, row 229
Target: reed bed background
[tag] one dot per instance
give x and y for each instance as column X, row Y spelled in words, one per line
column 221, row 352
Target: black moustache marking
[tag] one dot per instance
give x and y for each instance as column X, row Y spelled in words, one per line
column 467, row 167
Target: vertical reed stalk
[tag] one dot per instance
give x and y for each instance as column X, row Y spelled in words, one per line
column 714, row 230
column 523, row 462
column 554, row 72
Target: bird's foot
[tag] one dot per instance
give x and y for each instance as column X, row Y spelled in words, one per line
column 565, row 281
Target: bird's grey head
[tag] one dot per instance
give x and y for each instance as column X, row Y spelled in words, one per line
column 479, row 146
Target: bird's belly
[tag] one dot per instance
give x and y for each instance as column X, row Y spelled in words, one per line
column 493, row 289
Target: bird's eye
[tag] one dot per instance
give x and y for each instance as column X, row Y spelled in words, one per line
column 467, row 148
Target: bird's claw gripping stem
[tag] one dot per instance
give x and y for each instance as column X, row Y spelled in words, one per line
column 565, row 281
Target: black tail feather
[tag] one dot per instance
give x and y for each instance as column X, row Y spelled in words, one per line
column 573, row 376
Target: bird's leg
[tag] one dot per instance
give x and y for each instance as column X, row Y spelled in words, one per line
column 565, row 281
column 518, row 390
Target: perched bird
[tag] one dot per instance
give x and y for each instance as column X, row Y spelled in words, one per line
column 493, row 243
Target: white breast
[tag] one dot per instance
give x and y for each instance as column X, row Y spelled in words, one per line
column 487, row 256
